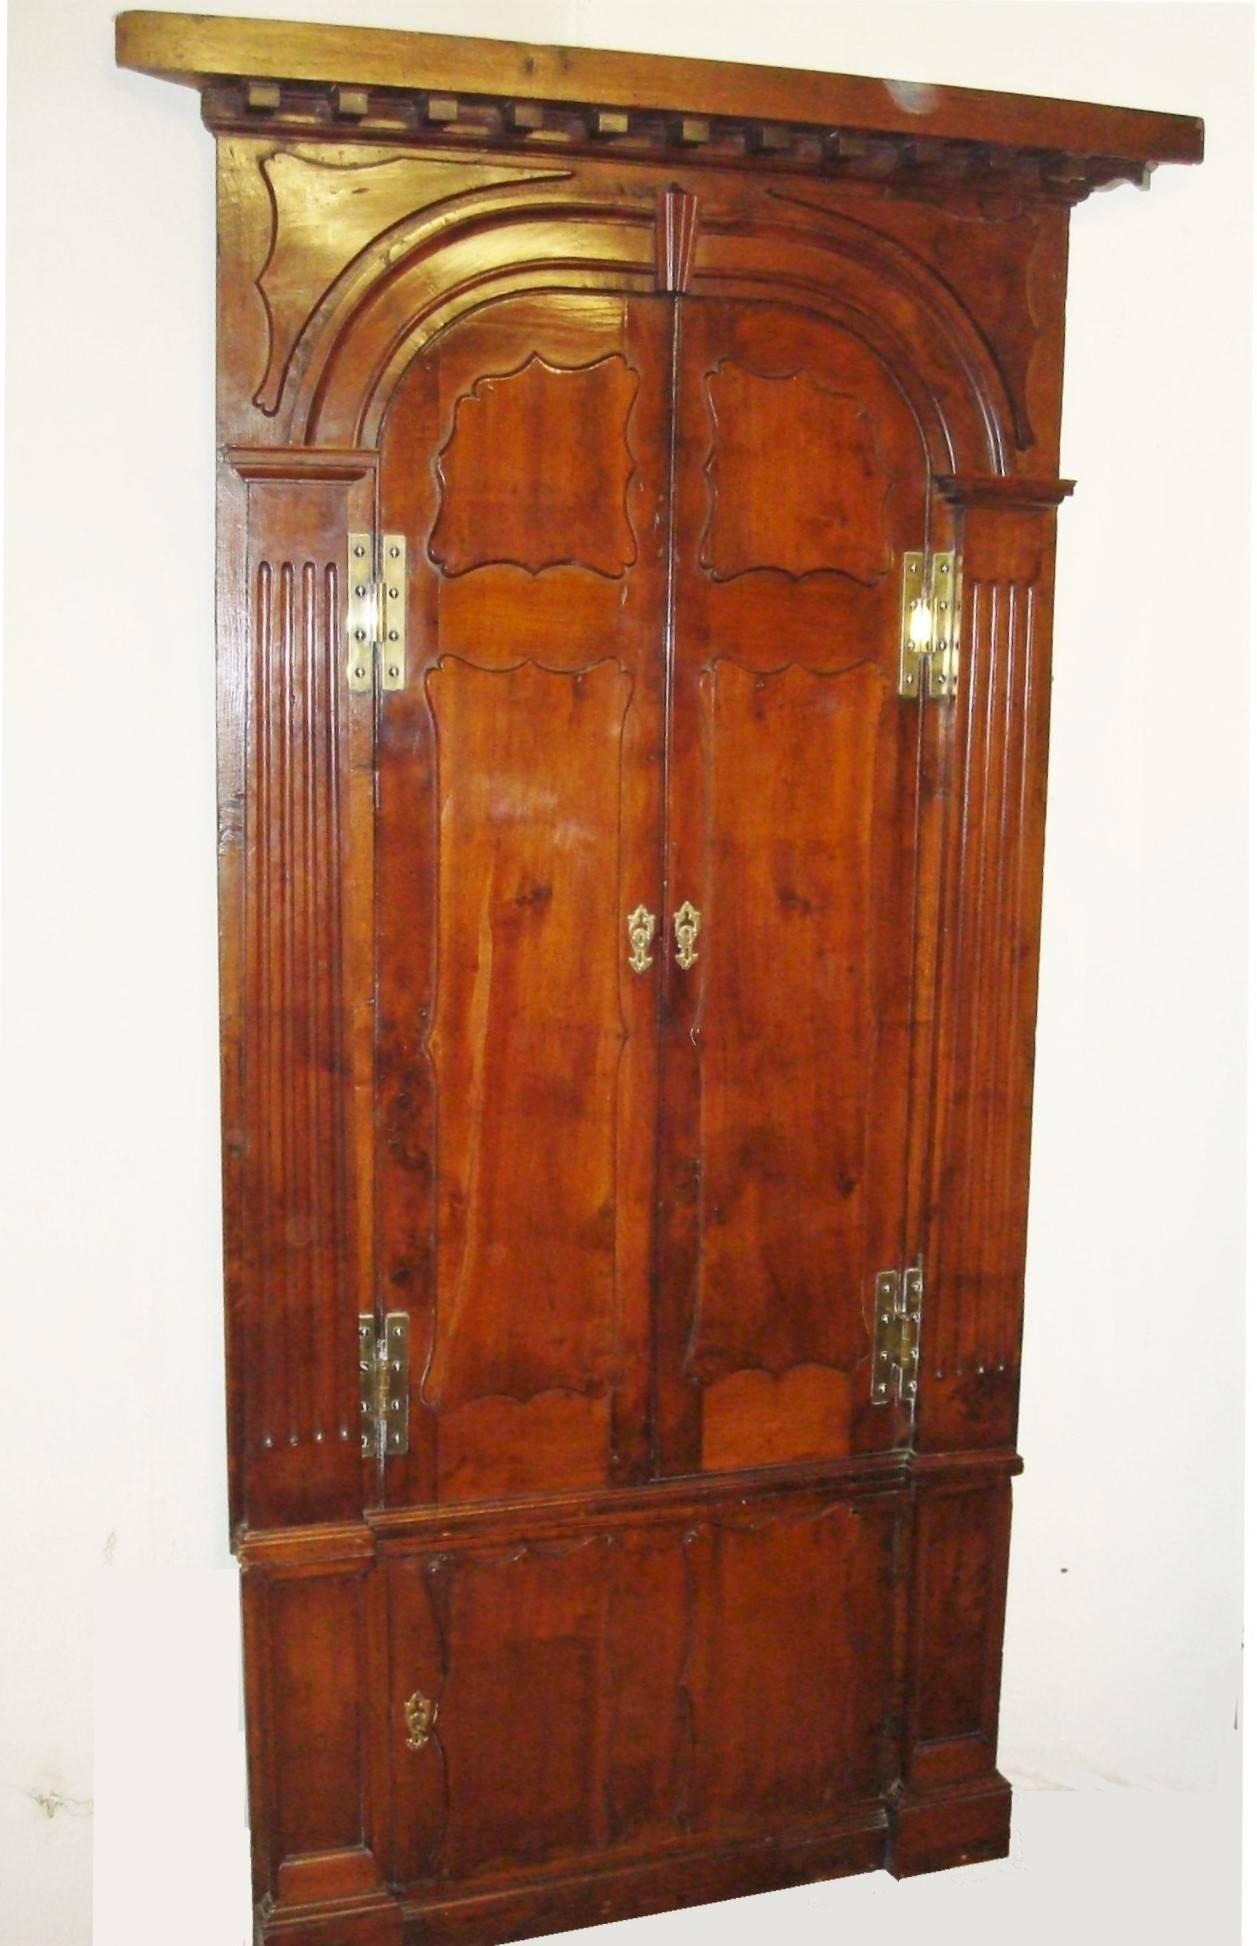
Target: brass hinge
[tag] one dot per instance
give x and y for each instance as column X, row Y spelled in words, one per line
column 929, row 629
column 384, row 1384
column 897, row 1335
column 375, row 616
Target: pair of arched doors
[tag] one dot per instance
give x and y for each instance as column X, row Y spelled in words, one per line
column 647, row 889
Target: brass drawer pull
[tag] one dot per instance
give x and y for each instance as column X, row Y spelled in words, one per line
column 420, row 1714
column 686, row 921
column 641, row 930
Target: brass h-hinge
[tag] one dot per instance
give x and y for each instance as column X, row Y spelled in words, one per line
column 897, row 1335
column 384, row 1384
column 375, row 617
column 929, row 628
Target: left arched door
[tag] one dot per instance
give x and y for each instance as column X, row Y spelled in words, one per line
column 519, row 827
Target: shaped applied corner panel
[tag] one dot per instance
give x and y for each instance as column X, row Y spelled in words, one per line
column 536, row 471
column 339, row 221
column 823, row 513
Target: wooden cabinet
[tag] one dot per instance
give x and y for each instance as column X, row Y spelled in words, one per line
column 637, row 497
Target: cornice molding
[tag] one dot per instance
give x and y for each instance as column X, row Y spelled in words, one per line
column 353, row 83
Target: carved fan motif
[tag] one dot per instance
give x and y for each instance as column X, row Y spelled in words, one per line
column 825, row 512
column 563, row 499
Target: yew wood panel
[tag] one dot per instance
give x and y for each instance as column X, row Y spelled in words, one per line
column 518, row 823
column 792, row 825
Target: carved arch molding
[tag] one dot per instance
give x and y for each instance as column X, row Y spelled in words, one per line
column 360, row 258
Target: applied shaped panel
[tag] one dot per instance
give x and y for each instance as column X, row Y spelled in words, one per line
column 796, row 478
column 537, row 469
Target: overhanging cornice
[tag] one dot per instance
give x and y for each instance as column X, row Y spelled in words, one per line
column 384, row 85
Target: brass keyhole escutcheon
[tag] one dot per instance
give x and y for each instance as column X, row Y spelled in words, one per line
column 641, row 930
column 420, row 1714
column 686, row 921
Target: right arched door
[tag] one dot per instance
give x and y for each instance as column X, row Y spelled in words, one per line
column 801, row 481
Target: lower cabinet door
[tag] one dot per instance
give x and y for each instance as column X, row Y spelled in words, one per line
column 558, row 1698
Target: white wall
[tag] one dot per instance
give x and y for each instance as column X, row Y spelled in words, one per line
column 1122, row 1659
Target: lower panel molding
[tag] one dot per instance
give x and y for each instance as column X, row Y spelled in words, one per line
column 965, row 1825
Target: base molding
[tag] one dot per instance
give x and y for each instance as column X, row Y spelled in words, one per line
column 963, row 1824
column 913, row 1832
column 563, row 1903
column 374, row 1920
column 525, row 1908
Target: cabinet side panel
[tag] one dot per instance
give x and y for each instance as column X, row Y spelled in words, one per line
column 296, row 863
column 988, row 977
column 312, row 1666
column 318, row 1682
column 959, row 1583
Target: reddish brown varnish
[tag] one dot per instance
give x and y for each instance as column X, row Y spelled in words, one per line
column 660, row 368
